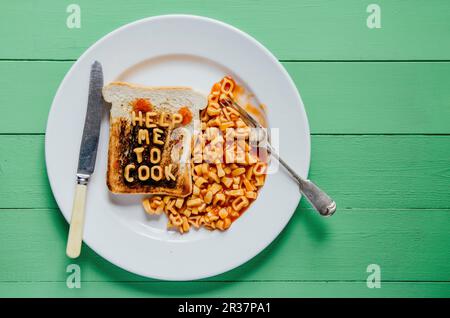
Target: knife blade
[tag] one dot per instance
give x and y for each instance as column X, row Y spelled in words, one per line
column 91, row 131
column 86, row 159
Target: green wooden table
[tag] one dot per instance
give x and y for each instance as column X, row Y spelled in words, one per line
column 378, row 101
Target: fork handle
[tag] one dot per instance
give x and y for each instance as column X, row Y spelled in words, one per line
column 320, row 201
column 317, row 198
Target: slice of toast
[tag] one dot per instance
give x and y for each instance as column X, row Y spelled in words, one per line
column 135, row 140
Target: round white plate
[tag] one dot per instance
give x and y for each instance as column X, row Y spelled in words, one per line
column 188, row 51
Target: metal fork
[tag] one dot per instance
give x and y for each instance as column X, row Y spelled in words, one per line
column 321, row 202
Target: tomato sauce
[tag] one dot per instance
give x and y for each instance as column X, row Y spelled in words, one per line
column 187, row 115
column 142, row 105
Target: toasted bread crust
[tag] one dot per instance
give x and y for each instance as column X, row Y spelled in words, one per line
column 119, row 83
column 122, row 139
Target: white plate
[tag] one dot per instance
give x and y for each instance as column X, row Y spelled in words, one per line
column 189, row 51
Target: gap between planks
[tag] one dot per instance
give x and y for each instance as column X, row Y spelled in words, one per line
column 312, row 134
column 233, row 281
column 280, row 60
column 346, row 209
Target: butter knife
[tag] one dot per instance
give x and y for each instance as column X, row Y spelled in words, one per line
column 86, row 160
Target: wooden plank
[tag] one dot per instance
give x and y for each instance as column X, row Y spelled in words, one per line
column 27, row 93
column 358, row 171
column 22, row 163
column 224, row 289
column 291, row 29
column 408, row 245
column 373, row 98
column 344, row 98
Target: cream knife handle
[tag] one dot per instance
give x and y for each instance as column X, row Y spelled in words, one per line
column 77, row 222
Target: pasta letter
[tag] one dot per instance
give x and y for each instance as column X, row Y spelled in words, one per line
column 143, row 173
column 138, row 152
column 155, row 155
column 163, row 120
column 140, row 118
column 156, row 173
column 157, row 134
column 127, row 172
column 168, row 173
column 177, row 119
column 149, row 123
column 143, row 135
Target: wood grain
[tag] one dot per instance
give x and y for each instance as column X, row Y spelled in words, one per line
column 340, row 98
column 292, row 29
column 358, row 171
column 409, row 245
column 224, row 289
column 378, row 104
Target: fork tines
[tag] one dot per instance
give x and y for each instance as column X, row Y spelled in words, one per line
column 246, row 117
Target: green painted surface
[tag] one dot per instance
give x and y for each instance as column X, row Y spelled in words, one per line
column 378, row 102
column 310, row 248
column 362, row 172
column 294, row 29
column 341, row 98
column 225, row 289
